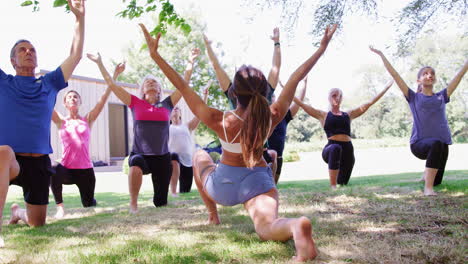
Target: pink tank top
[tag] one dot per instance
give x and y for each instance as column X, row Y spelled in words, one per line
column 75, row 135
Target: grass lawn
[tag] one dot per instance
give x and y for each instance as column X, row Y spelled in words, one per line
column 376, row 219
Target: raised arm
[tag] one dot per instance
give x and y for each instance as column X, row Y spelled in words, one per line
column 57, row 118
column 77, row 7
column 313, row 112
column 294, row 108
column 363, row 108
column 193, row 124
column 399, row 81
column 280, row 107
column 175, row 96
column 221, row 75
column 273, row 76
column 196, row 104
column 119, row 91
column 456, row 80
column 94, row 113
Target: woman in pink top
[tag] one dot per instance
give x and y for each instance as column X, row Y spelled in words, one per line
column 74, row 130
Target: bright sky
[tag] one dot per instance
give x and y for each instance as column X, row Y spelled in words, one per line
column 51, row 30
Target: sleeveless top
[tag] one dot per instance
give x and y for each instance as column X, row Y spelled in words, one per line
column 75, row 134
column 337, row 124
column 180, row 142
column 229, row 145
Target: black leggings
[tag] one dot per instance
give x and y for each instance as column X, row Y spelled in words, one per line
column 340, row 156
column 160, row 168
column 185, row 178
column 435, row 152
column 83, row 178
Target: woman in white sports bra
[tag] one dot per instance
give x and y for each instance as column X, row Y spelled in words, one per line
column 243, row 176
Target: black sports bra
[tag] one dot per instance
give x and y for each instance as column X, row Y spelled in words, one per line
column 337, row 124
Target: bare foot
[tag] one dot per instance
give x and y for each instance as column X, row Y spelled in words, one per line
column 333, row 187
column 2, row 243
column 133, row 208
column 60, row 211
column 302, row 235
column 14, row 218
column 213, row 219
column 422, row 178
column 174, row 195
column 429, row 192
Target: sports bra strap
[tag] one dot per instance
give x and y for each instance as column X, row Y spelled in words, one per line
column 224, row 127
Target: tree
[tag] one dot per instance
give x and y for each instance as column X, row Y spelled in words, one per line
column 134, row 9
column 411, row 20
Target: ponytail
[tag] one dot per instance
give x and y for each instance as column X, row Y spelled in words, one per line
column 256, row 127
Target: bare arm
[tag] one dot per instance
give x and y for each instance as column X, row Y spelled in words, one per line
column 77, row 7
column 456, row 80
column 313, row 112
column 363, row 108
column 280, row 107
column 273, row 76
column 94, row 113
column 399, row 81
column 221, row 75
column 175, row 96
column 119, row 91
column 294, row 108
column 193, row 124
column 57, row 118
column 195, row 103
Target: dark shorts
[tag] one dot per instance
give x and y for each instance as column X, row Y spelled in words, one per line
column 174, row 156
column 267, row 157
column 34, row 178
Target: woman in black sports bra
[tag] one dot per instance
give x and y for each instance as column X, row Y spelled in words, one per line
column 339, row 151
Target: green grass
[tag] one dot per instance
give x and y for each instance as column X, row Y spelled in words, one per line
column 376, row 219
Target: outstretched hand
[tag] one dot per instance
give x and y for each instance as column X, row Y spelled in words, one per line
column 329, row 31
column 194, row 54
column 376, row 51
column 151, row 42
column 95, row 58
column 275, row 37
column 119, row 68
column 77, row 7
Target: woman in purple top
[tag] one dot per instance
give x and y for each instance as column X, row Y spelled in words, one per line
column 430, row 135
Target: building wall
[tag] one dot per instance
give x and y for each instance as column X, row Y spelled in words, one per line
column 91, row 90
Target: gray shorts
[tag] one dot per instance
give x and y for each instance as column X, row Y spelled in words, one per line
column 229, row 185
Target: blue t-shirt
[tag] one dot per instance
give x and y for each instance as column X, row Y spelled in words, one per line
column 429, row 118
column 278, row 137
column 26, row 105
column 150, row 126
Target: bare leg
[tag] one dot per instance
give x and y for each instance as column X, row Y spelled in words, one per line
column 201, row 160
column 135, row 178
column 263, row 209
column 333, row 176
column 174, row 177
column 60, row 211
column 33, row 215
column 429, row 175
column 9, row 169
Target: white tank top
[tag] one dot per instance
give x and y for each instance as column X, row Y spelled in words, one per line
column 180, row 142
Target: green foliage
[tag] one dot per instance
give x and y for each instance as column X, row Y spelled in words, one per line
column 125, row 168
column 303, row 128
column 413, row 20
column 291, row 156
column 135, row 9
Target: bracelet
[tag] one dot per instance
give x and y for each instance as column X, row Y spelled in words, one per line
column 277, row 43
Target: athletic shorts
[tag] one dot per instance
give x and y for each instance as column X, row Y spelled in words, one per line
column 34, row 178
